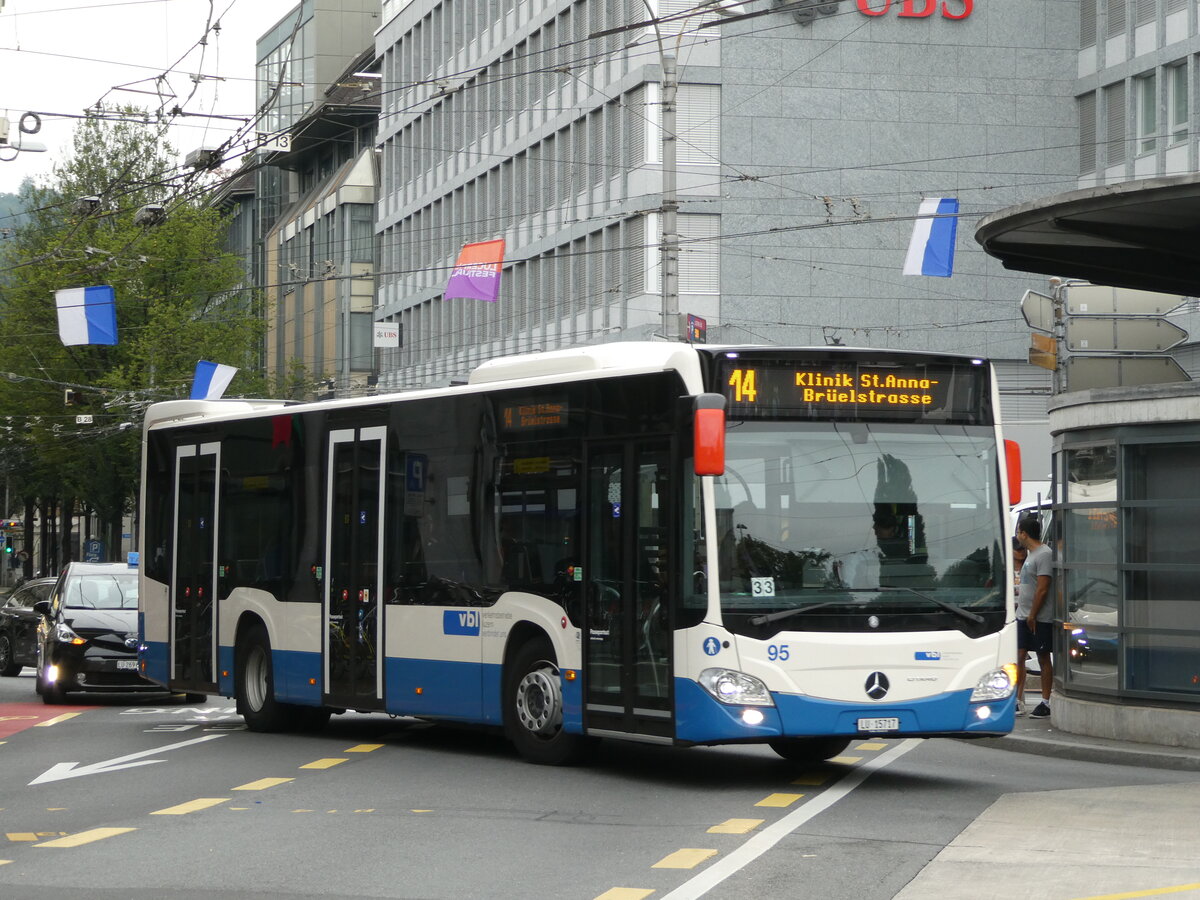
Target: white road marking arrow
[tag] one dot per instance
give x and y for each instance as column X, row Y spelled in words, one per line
column 59, row 771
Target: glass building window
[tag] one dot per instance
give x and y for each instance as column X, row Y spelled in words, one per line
column 1177, row 102
column 1147, row 112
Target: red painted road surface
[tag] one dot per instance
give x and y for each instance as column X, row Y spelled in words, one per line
column 16, row 717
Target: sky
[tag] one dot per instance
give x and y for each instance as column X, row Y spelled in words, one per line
column 60, row 57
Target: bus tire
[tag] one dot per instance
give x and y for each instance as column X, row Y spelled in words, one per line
column 533, row 708
column 256, row 701
column 808, row 750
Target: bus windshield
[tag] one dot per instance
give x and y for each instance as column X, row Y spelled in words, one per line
column 855, row 526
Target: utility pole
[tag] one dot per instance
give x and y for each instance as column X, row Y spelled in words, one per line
column 670, row 202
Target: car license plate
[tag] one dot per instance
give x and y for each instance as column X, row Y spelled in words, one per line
column 127, row 664
column 887, row 724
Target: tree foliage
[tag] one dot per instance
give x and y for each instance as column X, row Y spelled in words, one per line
column 177, row 302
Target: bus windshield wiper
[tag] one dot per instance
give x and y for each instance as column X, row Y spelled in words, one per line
column 949, row 607
column 767, row 618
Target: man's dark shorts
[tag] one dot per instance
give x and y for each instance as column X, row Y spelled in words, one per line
column 1039, row 642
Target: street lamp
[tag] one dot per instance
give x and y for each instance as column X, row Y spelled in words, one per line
column 670, row 197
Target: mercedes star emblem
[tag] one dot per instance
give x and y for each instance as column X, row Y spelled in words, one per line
column 877, row 685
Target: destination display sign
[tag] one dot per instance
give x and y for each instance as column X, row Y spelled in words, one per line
column 854, row 389
column 534, row 415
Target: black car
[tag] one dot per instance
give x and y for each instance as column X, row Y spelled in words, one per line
column 18, row 625
column 88, row 638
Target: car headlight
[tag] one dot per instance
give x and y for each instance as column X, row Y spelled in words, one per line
column 64, row 635
column 997, row 684
column 735, row 688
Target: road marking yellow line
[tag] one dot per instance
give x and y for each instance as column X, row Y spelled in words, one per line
column 871, row 745
column 191, row 806
column 21, row 836
column 262, row 784
column 1153, row 892
column 779, row 800
column 736, row 826
column 363, row 748
column 687, row 858
column 324, row 763
column 625, row 894
column 845, row 760
column 56, row 720
column 5, row 862
column 813, row 779
column 85, row 837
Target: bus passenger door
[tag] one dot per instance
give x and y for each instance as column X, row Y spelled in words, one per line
column 353, row 576
column 193, row 576
column 628, row 574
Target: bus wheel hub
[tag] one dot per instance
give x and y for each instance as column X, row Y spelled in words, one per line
column 539, row 701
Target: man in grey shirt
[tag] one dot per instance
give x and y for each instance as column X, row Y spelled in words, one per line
column 1035, row 612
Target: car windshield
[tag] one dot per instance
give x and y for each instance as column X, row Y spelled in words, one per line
column 857, row 526
column 100, row 591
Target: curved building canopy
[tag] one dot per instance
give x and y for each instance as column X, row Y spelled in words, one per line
column 1135, row 234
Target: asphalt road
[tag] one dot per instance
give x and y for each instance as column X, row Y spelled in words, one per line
column 150, row 797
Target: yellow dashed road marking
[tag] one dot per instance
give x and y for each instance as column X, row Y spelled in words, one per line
column 302, row 810
column 420, row 810
column 5, row 862
column 323, row 763
column 191, row 806
column 1153, row 892
column 687, row 858
column 34, row 835
column 736, row 826
column 625, row 894
column 262, row 784
column 871, row 745
column 779, row 800
column 845, row 760
column 363, row 748
column 85, row 837
column 812, row 780
column 56, row 720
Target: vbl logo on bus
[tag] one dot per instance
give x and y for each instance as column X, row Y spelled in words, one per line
column 461, row 621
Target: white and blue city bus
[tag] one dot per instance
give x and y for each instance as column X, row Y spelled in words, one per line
column 652, row 541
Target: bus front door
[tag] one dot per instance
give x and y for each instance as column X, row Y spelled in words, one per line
column 627, row 629
column 353, row 546
column 193, row 575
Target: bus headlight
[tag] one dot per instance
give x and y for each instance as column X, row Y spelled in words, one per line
column 735, row 688
column 995, row 685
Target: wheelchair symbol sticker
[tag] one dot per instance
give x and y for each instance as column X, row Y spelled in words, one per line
column 712, row 646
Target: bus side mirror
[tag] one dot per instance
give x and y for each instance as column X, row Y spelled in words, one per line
column 708, row 434
column 1012, row 458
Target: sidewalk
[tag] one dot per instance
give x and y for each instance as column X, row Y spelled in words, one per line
column 1042, row 737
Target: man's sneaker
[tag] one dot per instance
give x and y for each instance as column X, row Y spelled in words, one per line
column 1041, row 712
column 1020, row 708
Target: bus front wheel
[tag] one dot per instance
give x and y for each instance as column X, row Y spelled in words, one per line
column 533, row 707
column 808, row 750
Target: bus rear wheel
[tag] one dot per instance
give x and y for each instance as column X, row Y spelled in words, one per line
column 809, row 750
column 533, row 706
column 256, row 683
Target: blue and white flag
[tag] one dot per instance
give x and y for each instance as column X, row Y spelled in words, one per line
column 211, row 380
column 87, row 315
column 931, row 249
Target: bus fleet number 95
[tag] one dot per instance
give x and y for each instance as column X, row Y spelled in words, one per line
column 777, row 652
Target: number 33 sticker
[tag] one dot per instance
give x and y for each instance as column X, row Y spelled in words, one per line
column 762, row 587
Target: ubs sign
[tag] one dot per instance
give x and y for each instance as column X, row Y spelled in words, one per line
column 807, row 10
